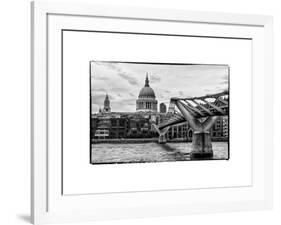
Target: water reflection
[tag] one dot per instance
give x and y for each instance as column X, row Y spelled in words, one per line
column 149, row 152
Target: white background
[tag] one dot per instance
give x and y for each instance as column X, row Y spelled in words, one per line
column 15, row 119
column 80, row 46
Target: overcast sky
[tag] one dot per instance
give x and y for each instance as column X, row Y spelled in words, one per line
column 123, row 81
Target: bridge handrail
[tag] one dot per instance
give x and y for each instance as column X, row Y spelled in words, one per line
column 205, row 96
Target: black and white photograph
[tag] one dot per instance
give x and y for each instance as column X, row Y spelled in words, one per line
column 148, row 110
column 158, row 112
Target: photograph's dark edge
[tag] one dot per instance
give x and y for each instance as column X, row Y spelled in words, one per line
column 62, row 112
column 228, row 118
column 90, row 112
column 159, row 63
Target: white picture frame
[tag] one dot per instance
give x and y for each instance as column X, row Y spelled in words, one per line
column 48, row 202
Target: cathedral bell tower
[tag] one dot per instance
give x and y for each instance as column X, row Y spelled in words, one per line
column 106, row 104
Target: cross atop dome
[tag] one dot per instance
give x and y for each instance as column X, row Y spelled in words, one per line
column 146, row 81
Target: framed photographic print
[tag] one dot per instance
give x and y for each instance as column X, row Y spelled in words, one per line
column 145, row 112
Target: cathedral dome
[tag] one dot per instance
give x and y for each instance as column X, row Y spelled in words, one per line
column 146, row 101
column 147, row 91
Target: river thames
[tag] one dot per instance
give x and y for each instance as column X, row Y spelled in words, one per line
column 103, row 153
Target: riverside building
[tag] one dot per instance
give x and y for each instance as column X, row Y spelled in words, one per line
column 107, row 124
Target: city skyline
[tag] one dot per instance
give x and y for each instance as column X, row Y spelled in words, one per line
column 123, row 81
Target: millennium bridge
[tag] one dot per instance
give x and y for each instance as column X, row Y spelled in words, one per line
column 200, row 113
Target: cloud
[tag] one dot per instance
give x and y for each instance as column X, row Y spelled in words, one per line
column 166, row 91
column 118, row 89
column 161, row 96
column 98, row 89
column 113, row 66
column 108, row 65
column 224, row 80
column 130, row 101
column 127, row 77
column 100, row 78
column 154, row 78
column 127, row 105
column 116, row 68
column 98, row 99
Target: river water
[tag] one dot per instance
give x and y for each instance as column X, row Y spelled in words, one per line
column 149, row 152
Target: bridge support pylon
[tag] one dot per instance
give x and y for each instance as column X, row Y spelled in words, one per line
column 162, row 139
column 201, row 140
column 201, row 145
